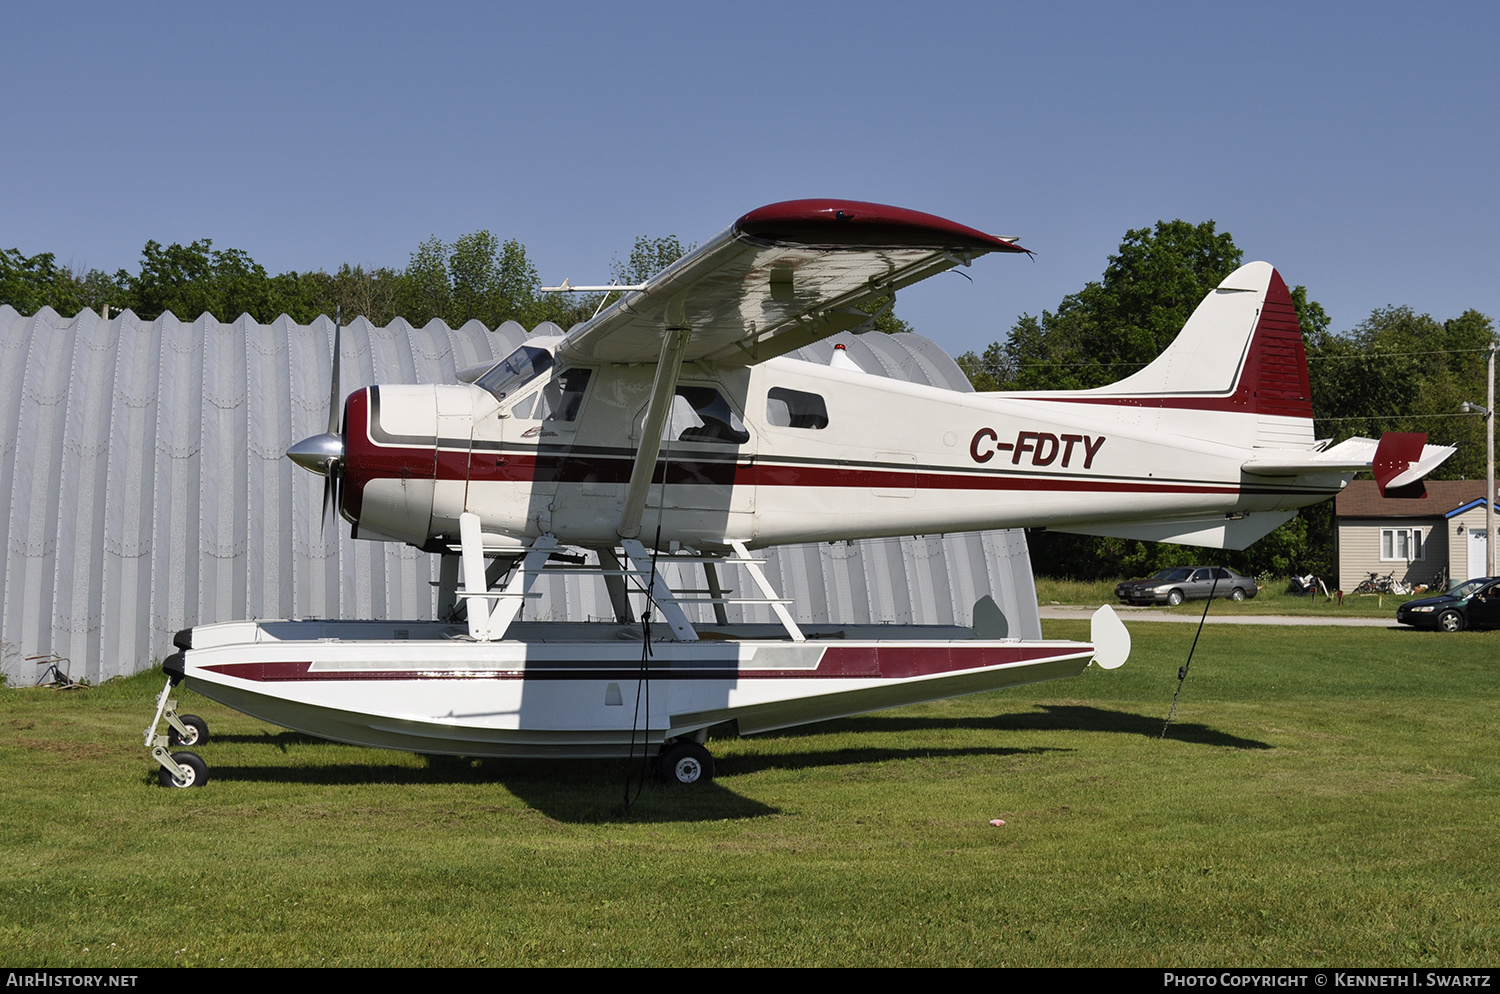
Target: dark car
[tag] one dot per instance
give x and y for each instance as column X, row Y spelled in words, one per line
column 1186, row 583
column 1471, row 604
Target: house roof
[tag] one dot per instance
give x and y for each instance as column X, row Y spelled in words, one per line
column 1361, row 499
column 1460, row 509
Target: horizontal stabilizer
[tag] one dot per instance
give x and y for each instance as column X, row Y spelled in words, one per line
column 1218, row 532
column 1399, row 462
column 1399, row 459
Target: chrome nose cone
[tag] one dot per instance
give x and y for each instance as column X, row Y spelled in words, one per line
column 319, row 453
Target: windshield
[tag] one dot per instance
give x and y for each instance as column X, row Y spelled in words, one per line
column 515, row 370
column 1468, row 588
column 1180, row 573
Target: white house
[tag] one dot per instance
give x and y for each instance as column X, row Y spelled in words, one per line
column 1431, row 540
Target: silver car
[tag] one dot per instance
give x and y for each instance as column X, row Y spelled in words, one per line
column 1186, row 583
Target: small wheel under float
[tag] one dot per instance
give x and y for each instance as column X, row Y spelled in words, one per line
column 196, row 734
column 685, row 763
column 194, row 771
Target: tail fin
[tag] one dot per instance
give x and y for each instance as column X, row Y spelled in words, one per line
column 1236, row 373
column 1240, row 351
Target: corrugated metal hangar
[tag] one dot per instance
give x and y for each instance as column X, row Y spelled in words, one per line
column 147, row 491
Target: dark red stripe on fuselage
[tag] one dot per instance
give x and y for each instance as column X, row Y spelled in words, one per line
column 560, row 468
column 872, row 662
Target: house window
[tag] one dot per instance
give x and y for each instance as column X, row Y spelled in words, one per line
column 1401, row 545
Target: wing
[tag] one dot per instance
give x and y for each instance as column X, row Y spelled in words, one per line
column 780, row 278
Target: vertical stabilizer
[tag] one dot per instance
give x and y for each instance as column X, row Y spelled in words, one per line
column 1241, row 350
column 1237, row 372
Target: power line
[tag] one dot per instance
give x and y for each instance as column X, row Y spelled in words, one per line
column 1382, row 355
column 1394, row 417
column 1081, row 363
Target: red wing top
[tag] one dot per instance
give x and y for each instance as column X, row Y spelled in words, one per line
column 781, row 277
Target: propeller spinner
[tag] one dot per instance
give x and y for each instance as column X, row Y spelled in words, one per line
column 324, row 454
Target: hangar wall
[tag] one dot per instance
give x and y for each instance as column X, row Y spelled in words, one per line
column 147, row 491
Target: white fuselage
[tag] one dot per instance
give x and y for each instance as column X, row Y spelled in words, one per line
column 794, row 451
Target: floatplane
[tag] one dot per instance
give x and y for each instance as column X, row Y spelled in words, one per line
column 672, row 424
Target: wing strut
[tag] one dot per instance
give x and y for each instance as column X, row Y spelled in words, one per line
column 673, row 344
column 752, row 566
column 487, row 624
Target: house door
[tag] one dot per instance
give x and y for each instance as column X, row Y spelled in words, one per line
column 1477, row 554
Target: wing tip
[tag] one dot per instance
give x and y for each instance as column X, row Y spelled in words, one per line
column 836, row 224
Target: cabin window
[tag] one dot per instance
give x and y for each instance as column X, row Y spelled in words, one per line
column 701, row 414
column 795, row 409
column 1401, row 545
column 508, row 375
column 522, row 408
column 561, row 399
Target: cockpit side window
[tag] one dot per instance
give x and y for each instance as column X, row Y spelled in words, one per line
column 522, row 408
column 558, row 400
column 515, row 371
column 795, row 409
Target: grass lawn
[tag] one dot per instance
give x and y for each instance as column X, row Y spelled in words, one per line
column 1326, row 796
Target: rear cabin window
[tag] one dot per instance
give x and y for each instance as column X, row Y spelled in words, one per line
column 795, row 409
column 701, row 414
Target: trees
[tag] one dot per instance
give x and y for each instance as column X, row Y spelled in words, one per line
column 1115, row 326
column 648, row 256
column 199, row 279
column 1402, row 371
column 29, row 283
column 478, row 277
column 357, row 292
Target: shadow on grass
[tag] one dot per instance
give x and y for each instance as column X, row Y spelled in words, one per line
column 1046, row 718
column 566, row 790
column 277, row 740
column 822, row 758
column 592, row 791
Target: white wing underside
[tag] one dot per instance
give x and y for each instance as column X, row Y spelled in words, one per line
column 781, row 278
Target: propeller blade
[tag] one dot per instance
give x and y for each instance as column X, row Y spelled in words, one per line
column 333, row 388
column 327, row 492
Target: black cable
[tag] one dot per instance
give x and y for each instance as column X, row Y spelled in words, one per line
column 643, row 675
column 1183, row 670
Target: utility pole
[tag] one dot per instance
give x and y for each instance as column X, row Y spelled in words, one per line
column 1489, row 474
column 1489, row 465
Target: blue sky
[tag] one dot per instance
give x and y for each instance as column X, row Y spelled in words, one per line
column 1352, row 145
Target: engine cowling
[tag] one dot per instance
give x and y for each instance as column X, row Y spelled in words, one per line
column 406, row 462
